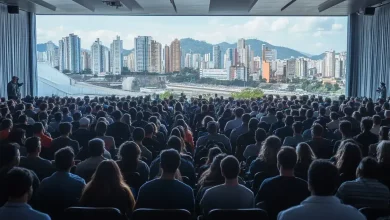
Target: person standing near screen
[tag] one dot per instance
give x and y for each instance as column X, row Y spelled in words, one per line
column 13, row 88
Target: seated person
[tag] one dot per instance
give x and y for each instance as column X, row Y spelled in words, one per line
column 186, row 167
column 267, row 159
column 18, row 183
column 166, row 192
column 108, row 189
column 322, row 204
column 86, row 168
column 42, row 167
column 253, row 150
column 65, row 129
column 366, row 190
column 284, row 191
column 62, row 189
column 230, row 195
column 297, row 137
column 212, row 129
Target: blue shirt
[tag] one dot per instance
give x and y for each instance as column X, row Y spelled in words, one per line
column 18, row 211
column 293, row 141
column 321, row 208
column 59, row 191
column 166, row 194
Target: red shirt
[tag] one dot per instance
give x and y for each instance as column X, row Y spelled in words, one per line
column 45, row 140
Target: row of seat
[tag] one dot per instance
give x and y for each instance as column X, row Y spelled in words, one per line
column 83, row 213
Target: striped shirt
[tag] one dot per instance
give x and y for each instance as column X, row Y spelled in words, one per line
column 364, row 192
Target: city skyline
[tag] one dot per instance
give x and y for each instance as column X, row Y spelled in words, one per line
column 319, row 33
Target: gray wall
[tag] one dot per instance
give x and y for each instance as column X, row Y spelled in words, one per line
column 17, row 50
column 368, row 53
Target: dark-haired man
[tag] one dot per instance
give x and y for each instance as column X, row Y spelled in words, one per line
column 322, row 204
column 236, row 122
column 242, row 129
column 18, row 184
column 253, row 150
column 62, row 189
column 366, row 137
column 119, row 130
column 10, row 158
column 65, row 129
column 212, row 129
column 366, row 190
column 138, row 137
column 246, row 139
column 42, row 167
column 86, row 168
column 230, row 195
column 321, row 147
column 279, row 123
column 287, row 130
column 166, row 192
column 297, row 136
column 283, row 191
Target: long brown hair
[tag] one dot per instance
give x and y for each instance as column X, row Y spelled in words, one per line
column 304, row 153
column 129, row 153
column 348, row 158
column 270, row 149
column 106, row 181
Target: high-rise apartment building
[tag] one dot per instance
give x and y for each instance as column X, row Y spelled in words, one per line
column 290, row 68
column 155, row 57
column 142, row 53
column 70, row 54
column 301, row 68
column 131, row 62
column 106, row 59
column 330, row 61
column 51, row 57
column 188, row 60
column 268, row 54
column 116, row 56
column 167, row 61
column 242, row 53
column 85, row 60
column 175, row 56
column 217, row 57
column 97, row 57
column 196, row 59
column 228, row 58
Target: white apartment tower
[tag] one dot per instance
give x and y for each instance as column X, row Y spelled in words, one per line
column 155, row 57
column 70, row 54
column 330, row 62
column 217, row 57
column 116, row 56
column 131, row 62
column 97, row 57
column 142, row 53
column 106, row 59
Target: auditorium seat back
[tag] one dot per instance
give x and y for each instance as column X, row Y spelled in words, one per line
column 237, row 214
column 161, row 214
column 84, row 213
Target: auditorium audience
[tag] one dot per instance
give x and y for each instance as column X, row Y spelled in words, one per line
column 18, row 185
column 108, row 189
column 230, row 195
column 166, row 192
column 322, row 204
column 136, row 131
column 284, row 191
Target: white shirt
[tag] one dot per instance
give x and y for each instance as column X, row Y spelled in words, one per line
column 321, row 208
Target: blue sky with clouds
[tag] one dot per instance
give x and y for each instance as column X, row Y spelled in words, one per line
column 312, row 35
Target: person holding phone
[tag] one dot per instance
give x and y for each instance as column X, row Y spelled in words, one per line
column 13, row 88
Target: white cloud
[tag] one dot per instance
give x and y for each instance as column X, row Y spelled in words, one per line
column 319, row 44
column 280, row 24
column 337, row 27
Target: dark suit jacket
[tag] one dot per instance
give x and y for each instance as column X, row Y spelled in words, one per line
column 366, row 139
column 120, row 131
column 83, row 136
column 62, row 142
column 321, row 147
column 385, row 122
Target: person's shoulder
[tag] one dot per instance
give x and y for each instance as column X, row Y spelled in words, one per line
column 292, row 213
column 350, row 212
column 34, row 214
column 77, row 178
